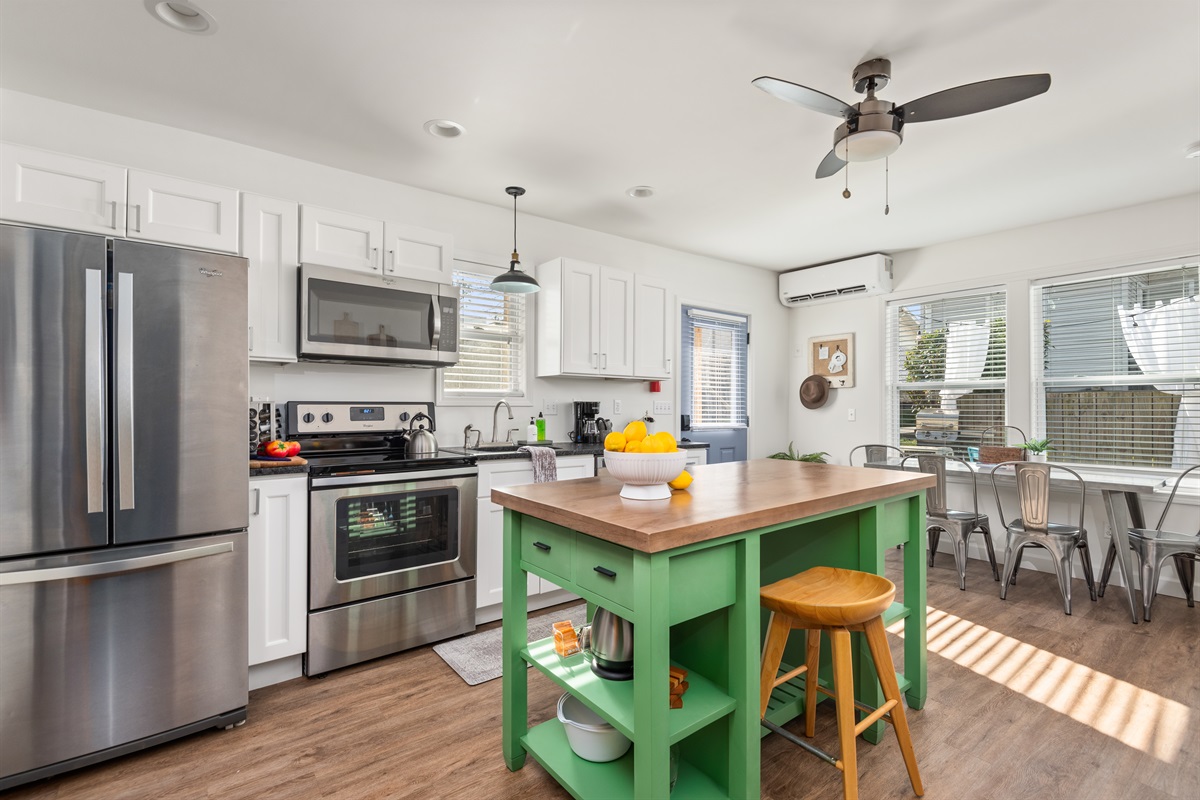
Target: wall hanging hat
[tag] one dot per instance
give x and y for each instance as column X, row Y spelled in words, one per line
column 814, row 391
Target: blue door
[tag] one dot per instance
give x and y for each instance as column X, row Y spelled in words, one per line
column 715, row 354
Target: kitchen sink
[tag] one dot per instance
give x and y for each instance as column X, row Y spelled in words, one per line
column 495, row 447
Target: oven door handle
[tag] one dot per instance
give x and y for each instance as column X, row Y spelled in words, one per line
column 394, row 477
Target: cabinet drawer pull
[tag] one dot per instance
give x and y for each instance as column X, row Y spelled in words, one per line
column 605, row 571
column 542, row 546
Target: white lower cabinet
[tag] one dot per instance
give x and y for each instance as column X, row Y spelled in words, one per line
column 489, row 573
column 695, row 456
column 278, row 540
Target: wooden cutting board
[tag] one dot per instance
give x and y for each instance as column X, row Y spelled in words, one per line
column 294, row 461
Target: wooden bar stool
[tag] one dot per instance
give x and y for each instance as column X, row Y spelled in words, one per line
column 838, row 601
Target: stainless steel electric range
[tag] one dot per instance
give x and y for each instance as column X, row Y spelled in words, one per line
column 391, row 535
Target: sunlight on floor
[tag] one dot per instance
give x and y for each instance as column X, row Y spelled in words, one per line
column 1134, row 716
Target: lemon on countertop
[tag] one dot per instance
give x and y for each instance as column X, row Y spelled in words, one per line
column 682, row 482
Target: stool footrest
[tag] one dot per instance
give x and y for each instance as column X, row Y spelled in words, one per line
column 870, row 719
column 863, row 707
column 796, row 740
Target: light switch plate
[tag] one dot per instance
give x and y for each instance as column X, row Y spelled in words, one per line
column 662, row 406
column 616, row 407
column 550, row 408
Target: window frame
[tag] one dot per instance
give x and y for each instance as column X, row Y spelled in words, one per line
column 735, row 317
column 487, row 264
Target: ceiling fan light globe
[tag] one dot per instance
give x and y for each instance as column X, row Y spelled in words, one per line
column 867, row 145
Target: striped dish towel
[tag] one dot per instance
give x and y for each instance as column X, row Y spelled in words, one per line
column 545, row 464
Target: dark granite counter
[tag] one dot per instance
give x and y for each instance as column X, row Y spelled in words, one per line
column 559, row 448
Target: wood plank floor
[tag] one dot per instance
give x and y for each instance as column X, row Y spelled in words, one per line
column 1025, row 702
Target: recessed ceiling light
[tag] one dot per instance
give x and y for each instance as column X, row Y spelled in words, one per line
column 1193, row 151
column 640, row 191
column 444, row 128
column 182, row 15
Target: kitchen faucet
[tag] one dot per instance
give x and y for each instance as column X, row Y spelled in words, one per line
column 495, row 412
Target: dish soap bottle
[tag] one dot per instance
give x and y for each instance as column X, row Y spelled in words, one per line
column 531, row 433
column 541, row 427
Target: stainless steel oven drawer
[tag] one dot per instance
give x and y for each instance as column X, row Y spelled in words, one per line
column 342, row 636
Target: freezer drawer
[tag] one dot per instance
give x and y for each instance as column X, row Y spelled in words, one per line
column 112, row 646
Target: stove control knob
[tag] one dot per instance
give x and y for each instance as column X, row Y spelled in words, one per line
column 404, row 416
column 308, row 418
column 327, row 417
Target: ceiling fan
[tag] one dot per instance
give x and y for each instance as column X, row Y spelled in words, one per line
column 874, row 128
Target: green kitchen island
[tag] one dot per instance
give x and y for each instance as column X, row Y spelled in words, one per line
column 686, row 571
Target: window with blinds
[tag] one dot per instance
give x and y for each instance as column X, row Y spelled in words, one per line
column 714, row 349
column 491, row 341
column 946, row 371
column 1119, row 374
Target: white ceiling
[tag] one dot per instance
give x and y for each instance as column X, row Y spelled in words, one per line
column 578, row 101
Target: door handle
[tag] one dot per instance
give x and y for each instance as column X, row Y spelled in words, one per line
column 112, row 567
column 605, row 364
column 124, row 393
column 605, row 571
column 114, row 214
column 392, row 256
column 375, row 258
column 435, row 323
column 542, row 546
column 257, row 500
column 93, row 391
column 250, row 339
column 137, row 216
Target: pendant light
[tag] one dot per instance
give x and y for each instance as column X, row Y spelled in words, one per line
column 515, row 280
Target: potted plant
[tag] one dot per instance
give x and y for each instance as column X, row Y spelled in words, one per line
column 1035, row 449
column 792, row 455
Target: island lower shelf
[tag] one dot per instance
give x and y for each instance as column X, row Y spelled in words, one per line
column 703, row 703
column 588, row 780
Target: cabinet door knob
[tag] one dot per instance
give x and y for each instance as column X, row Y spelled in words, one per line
column 605, row 571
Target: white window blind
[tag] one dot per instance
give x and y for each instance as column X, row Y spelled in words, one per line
column 714, row 349
column 946, row 370
column 1120, row 368
column 491, row 341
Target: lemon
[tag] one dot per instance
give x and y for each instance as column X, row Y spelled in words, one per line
column 632, row 447
column 652, row 444
column 682, row 482
column 615, row 441
column 667, row 441
column 635, row 431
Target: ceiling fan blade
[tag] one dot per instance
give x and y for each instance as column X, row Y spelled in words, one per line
column 972, row 98
column 804, row 96
column 830, row 165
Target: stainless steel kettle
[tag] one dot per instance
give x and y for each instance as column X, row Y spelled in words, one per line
column 610, row 645
column 421, row 442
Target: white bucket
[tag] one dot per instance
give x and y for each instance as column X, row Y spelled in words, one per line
column 589, row 735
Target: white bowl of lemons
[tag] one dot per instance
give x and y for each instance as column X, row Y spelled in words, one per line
column 650, row 465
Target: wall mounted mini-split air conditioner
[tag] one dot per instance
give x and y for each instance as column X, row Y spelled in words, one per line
column 866, row 275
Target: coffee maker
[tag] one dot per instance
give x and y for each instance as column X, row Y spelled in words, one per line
column 586, row 429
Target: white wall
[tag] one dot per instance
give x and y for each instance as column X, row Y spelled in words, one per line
column 476, row 227
column 1153, row 231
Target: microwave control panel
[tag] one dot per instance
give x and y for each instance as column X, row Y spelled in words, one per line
column 449, row 341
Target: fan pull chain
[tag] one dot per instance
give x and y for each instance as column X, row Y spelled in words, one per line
column 886, row 206
column 846, row 191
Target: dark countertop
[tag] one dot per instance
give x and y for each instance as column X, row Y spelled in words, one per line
column 559, row 448
column 301, row 469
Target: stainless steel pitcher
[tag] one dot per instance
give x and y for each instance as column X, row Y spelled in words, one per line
column 609, row 643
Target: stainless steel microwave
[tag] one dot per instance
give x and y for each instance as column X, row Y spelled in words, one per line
column 355, row 317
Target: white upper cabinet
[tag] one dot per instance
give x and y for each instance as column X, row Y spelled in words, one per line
column 270, row 241
column 349, row 241
column 182, row 212
column 586, row 321
column 418, row 253
column 59, row 191
column 337, row 239
column 653, row 329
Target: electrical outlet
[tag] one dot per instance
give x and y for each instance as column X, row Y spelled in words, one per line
column 616, row 407
column 850, row 415
column 550, row 408
column 662, row 406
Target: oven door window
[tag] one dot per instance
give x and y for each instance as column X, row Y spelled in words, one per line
column 369, row 316
column 382, row 533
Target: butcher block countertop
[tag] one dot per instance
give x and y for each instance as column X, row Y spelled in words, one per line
column 723, row 499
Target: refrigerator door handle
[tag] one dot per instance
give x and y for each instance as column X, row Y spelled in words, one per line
column 112, row 567
column 124, row 379
column 93, row 400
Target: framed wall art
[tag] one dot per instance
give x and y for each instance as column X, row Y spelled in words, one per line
column 832, row 357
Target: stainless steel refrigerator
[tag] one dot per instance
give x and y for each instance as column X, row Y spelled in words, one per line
column 123, row 509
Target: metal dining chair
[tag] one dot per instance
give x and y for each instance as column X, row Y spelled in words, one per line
column 876, row 453
column 958, row 524
column 1034, row 528
column 1153, row 546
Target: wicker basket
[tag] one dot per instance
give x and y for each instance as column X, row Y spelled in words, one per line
column 997, row 455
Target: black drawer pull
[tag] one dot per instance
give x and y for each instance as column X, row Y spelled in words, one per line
column 608, row 573
column 542, row 546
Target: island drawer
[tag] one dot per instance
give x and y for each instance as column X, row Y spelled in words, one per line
column 604, row 568
column 547, row 547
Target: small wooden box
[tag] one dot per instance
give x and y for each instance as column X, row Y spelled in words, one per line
column 994, row 455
